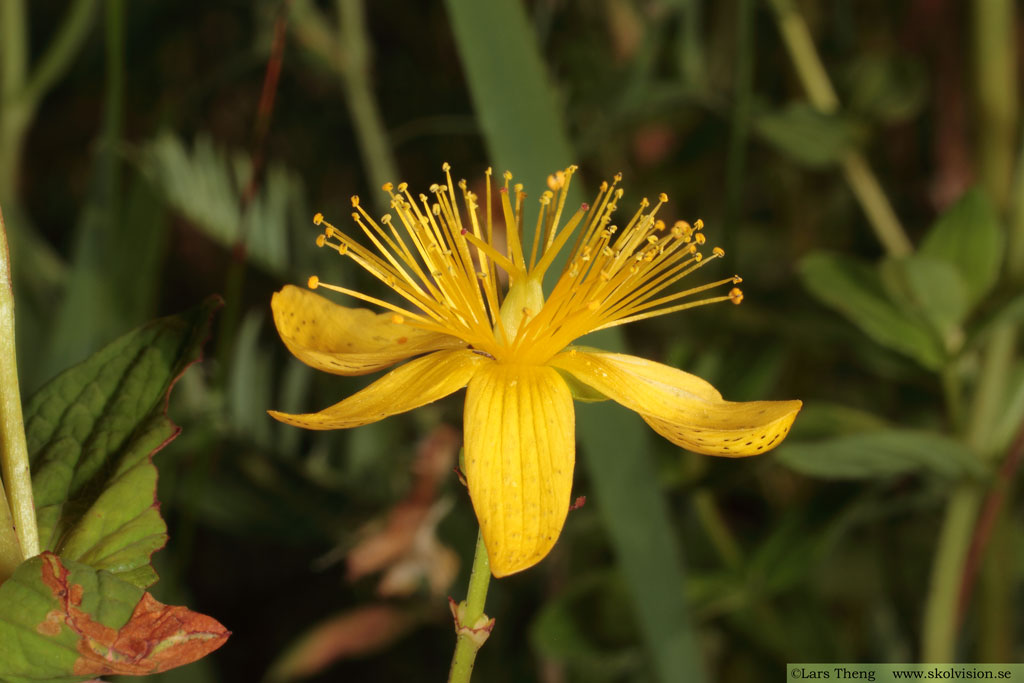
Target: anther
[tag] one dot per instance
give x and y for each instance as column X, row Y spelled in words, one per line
column 321, row 240
column 663, row 198
column 718, row 251
column 736, row 279
column 618, row 177
column 387, row 187
column 508, row 175
column 735, row 295
column 434, row 188
column 446, row 167
column 556, row 180
column 402, row 187
column 584, row 207
column 313, row 282
column 698, row 224
column 397, row 319
column 386, row 219
column 659, row 225
column 318, row 218
column 698, row 257
column 699, row 238
column 355, row 200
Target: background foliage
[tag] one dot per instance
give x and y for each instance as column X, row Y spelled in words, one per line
column 152, row 153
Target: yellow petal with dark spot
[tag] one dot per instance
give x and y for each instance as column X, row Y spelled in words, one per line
column 683, row 408
column 347, row 341
column 520, row 453
column 417, row 383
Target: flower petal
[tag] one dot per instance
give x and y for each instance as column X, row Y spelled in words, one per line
column 683, row 408
column 520, row 453
column 418, row 382
column 347, row 341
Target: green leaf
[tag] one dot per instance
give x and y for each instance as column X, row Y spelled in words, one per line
column 819, row 419
column 930, row 289
column 808, row 136
column 970, row 237
column 62, row 621
column 884, row 453
column 92, row 432
column 887, row 88
column 855, row 290
column 206, row 185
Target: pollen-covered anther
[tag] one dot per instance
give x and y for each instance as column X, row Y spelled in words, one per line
column 556, row 180
column 735, row 295
column 718, row 251
column 318, row 218
column 313, row 282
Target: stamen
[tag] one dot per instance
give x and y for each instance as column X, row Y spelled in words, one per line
column 442, row 260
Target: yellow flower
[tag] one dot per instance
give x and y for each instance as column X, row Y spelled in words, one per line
column 510, row 345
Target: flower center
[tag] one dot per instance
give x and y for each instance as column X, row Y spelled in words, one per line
column 446, row 263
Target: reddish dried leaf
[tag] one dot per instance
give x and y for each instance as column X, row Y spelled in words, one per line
column 350, row 634
column 156, row 638
column 387, row 547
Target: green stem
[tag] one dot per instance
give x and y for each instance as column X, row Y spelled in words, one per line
column 716, row 528
column 371, row 135
column 995, row 78
column 940, row 621
column 14, row 469
column 816, row 84
column 743, row 89
column 995, row 74
column 14, row 114
column 61, row 51
column 471, row 611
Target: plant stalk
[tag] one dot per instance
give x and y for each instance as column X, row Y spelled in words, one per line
column 822, row 95
column 14, row 468
column 354, row 67
column 470, row 617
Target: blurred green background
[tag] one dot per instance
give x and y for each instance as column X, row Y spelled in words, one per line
column 857, row 159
